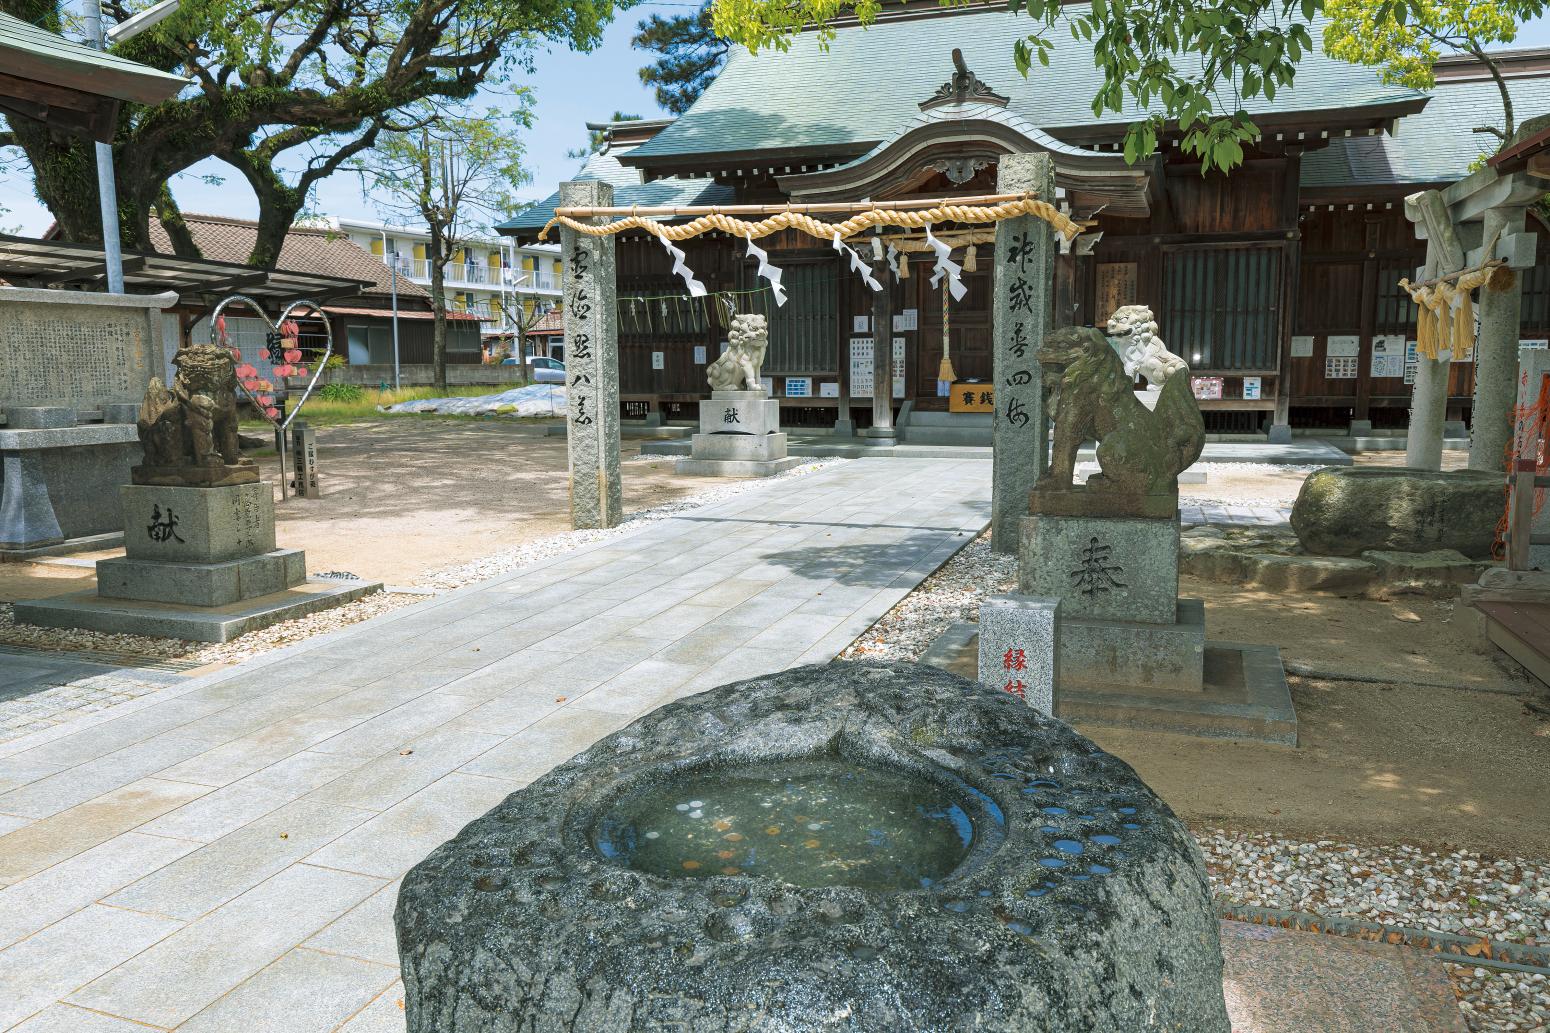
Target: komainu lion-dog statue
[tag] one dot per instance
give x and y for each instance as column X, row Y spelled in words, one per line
column 1141, row 452
column 189, row 432
column 737, row 369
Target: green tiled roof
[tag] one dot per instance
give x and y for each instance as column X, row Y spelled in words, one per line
column 1433, row 146
column 871, row 80
column 628, row 189
column 35, row 53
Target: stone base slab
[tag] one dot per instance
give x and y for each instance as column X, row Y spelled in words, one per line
column 197, row 525
column 1140, row 656
column 1245, row 694
column 225, row 475
column 735, row 467
column 86, row 543
column 202, row 584
column 163, row 620
column 762, row 448
column 1106, row 568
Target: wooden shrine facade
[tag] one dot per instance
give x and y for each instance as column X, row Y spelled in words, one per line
column 1282, row 295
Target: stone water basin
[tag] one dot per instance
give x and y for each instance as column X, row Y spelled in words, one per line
column 850, row 847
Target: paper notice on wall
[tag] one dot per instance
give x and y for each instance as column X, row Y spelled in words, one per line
column 1340, row 367
column 658, row 360
column 768, row 383
column 1536, row 343
column 699, row 355
column 1388, row 357
column 898, row 367
column 909, row 319
column 1251, row 387
column 1302, row 347
column 1410, row 362
column 1342, row 345
column 829, row 389
column 799, row 387
column 860, row 324
column 1206, row 388
column 861, row 367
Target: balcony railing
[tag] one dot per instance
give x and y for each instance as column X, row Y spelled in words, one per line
column 471, row 274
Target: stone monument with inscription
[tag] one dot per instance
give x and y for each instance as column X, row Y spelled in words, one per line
column 740, row 433
column 200, row 557
column 73, row 368
column 1104, row 556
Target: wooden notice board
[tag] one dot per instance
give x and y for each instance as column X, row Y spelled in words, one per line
column 1116, row 287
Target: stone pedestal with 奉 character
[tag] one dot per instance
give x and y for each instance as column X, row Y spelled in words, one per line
column 200, row 558
column 740, row 433
column 1129, row 651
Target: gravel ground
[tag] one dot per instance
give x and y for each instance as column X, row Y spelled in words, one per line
column 1459, row 892
column 950, row 596
column 254, row 642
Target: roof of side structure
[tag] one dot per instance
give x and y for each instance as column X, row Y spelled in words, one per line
column 628, row 189
column 1435, row 145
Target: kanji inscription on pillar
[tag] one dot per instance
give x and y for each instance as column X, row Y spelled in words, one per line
column 1024, row 272
column 592, row 365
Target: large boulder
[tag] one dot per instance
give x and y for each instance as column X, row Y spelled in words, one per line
column 1069, row 897
column 1346, row 511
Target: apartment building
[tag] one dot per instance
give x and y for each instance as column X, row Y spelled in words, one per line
column 492, row 278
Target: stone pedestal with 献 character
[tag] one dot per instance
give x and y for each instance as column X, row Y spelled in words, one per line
column 740, row 433
column 1129, row 650
column 200, row 559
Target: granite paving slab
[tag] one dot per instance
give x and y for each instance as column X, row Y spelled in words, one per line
column 292, row 789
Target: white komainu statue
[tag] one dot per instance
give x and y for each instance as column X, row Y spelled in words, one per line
column 737, row 369
column 1134, row 332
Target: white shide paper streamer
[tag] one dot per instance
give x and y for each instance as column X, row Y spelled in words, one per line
column 769, row 272
column 696, row 288
column 856, row 264
column 946, row 266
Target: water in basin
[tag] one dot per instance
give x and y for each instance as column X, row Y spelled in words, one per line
column 814, row 822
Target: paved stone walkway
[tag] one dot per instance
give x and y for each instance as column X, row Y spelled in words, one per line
column 40, row 689
column 1241, row 516
column 223, row 854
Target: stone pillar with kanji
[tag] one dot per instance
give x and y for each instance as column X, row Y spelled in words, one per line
column 1025, row 249
column 591, row 365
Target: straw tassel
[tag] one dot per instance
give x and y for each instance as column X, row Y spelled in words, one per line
column 970, row 259
column 904, row 267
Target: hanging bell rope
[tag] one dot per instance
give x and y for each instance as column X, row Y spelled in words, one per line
column 909, row 214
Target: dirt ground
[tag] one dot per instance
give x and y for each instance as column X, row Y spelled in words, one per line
column 406, row 496
column 1376, row 762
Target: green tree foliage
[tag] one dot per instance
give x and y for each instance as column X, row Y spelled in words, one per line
column 455, row 174
column 287, row 92
column 1407, row 40
column 1193, row 63
column 689, row 54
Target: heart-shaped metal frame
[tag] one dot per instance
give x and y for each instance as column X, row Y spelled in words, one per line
column 274, row 328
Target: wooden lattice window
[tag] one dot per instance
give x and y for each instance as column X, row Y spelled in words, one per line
column 1222, row 306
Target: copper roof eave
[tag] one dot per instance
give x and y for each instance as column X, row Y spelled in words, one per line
column 1125, row 189
column 1312, row 124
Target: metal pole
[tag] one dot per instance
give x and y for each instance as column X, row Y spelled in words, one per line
column 107, row 188
column 393, row 276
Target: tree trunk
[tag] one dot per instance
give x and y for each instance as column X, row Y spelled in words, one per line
column 438, row 306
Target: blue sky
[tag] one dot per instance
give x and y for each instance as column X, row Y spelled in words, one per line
column 570, row 90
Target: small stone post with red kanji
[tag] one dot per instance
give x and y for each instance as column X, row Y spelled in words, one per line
column 1018, row 654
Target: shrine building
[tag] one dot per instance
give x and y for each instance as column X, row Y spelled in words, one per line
column 1278, row 283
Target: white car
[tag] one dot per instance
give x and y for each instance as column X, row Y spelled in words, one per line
column 546, row 371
